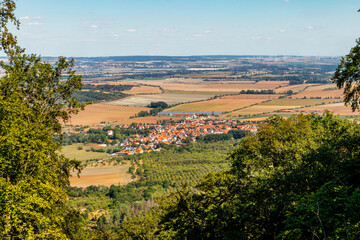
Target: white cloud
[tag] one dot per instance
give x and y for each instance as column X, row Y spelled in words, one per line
column 310, row 28
column 115, row 35
column 94, row 26
column 282, row 30
column 203, row 33
column 131, row 30
column 286, row 0
column 31, row 18
column 166, row 30
column 33, row 24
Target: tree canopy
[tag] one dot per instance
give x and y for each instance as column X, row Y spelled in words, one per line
column 35, row 98
column 297, row 178
column 347, row 77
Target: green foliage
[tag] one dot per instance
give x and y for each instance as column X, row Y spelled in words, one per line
column 347, row 76
column 35, row 99
column 96, row 97
column 295, row 179
column 160, row 104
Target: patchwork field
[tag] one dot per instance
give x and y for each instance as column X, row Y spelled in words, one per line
column 218, row 87
column 198, row 85
column 226, row 103
column 169, row 98
column 96, row 113
column 323, row 91
column 279, row 104
column 102, row 176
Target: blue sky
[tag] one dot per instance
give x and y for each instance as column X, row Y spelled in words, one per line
column 183, row 27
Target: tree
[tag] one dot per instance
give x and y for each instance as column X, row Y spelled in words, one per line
column 347, row 76
column 35, row 98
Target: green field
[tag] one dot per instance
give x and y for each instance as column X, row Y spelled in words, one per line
column 72, row 151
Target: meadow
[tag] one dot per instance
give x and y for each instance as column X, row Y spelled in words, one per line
column 82, row 152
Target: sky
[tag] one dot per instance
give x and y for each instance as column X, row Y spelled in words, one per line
column 89, row 28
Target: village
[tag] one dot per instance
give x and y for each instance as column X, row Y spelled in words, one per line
column 177, row 133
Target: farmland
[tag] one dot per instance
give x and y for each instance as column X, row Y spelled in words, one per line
column 323, row 91
column 169, row 98
column 272, row 107
column 221, row 87
column 105, row 175
column 222, row 104
column 82, row 152
column 141, row 89
column 96, row 113
column 210, row 84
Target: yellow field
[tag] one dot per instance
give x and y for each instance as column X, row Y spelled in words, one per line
column 96, row 113
column 169, row 98
column 226, row 103
column 294, row 88
column 143, row 90
column 336, row 108
column 318, row 91
column 102, row 176
column 297, row 102
column 259, row 109
column 279, row 104
column 228, row 87
column 198, row 85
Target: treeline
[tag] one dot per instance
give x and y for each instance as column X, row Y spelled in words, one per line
column 269, row 91
column 157, row 107
column 108, row 87
column 95, row 96
column 232, row 134
column 102, row 136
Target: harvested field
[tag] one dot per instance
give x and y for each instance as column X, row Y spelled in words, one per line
column 218, row 87
column 143, row 90
column 294, row 88
column 320, row 91
column 297, row 102
column 279, row 104
column 169, row 98
column 225, row 86
column 259, row 109
column 96, row 113
column 102, row 176
column 226, row 103
column 335, row 108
